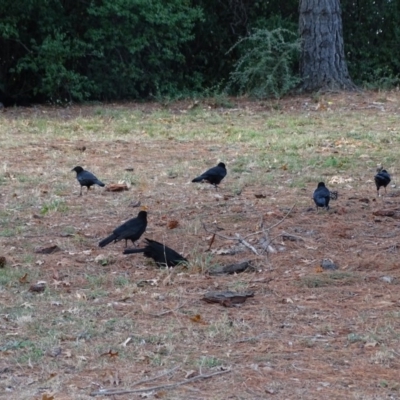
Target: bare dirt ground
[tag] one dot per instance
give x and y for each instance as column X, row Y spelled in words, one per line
column 108, row 321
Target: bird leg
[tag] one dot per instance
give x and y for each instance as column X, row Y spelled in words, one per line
column 80, row 194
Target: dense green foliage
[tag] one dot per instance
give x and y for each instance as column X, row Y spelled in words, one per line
column 72, row 50
column 372, row 41
column 67, row 50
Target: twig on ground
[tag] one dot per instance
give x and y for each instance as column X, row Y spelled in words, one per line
column 211, row 242
column 165, row 312
column 113, row 392
column 170, row 371
column 243, row 239
column 279, row 222
column 238, row 238
column 247, row 244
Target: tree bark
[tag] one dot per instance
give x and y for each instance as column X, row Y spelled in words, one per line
column 322, row 62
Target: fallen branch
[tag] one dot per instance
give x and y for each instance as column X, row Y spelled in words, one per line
column 247, row 244
column 113, row 392
column 242, row 240
column 170, row 371
column 238, row 238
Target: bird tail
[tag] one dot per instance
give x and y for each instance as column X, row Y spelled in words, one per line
column 198, row 179
column 107, row 240
column 100, row 183
column 132, row 251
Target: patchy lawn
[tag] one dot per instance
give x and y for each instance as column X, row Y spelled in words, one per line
column 107, row 321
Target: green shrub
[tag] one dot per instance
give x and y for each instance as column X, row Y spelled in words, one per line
column 265, row 68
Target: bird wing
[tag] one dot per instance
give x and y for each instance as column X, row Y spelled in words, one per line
column 216, row 171
column 86, row 177
column 132, row 228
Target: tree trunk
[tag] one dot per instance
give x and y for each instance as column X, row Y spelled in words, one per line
column 322, row 62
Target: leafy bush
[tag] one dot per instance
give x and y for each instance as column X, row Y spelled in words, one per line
column 110, row 49
column 266, row 65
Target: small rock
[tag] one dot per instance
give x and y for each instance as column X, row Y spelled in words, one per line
column 387, row 279
column 328, row 264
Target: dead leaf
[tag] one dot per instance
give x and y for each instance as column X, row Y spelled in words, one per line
column 110, row 353
column 81, row 296
column 222, row 252
column 190, row 374
column 3, row 262
column 151, row 282
column 227, row 299
column 48, row 250
column 58, row 283
column 81, row 148
column 135, row 203
column 38, row 287
column 231, row 268
column 54, row 352
column 24, row 279
column 384, row 213
column 67, row 353
column 260, row 195
column 116, row 187
column 113, row 378
column 197, row 318
column 47, row 397
column 64, row 262
column 172, row 224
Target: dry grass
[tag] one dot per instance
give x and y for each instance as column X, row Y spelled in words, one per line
column 304, row 334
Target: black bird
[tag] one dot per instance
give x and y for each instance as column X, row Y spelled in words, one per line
column 322, row 196
column 86, row 178
column 214, row 175
column 160, row 253
column 130, row 230
column 382, row 178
